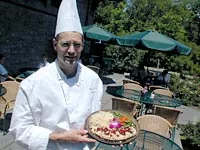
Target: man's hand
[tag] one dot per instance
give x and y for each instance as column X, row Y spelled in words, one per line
column 74, row 136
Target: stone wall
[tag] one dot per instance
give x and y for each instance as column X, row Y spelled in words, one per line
column 27, row 29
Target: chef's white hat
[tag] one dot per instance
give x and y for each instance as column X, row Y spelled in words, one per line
column 68, row 18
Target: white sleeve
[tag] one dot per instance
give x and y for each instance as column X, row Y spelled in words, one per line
column 98, row 96
column 24, row 126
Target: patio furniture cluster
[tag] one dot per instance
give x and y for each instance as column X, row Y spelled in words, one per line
column 155, row 110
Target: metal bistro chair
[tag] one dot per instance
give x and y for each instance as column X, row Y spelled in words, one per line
column 163, row 92
column 154, row 87
column 2, row 106
column 122, row 105
column 94, row 68
column 8, row 101
column 18, row 79
column 125, row 105
column 134, row 90
column 125, row 81
column 133, row 86
column 170, row 114
column 148, row 140
column 155, row 124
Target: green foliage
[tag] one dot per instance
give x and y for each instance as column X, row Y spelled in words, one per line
column 194, row 23
column 191, row 132
column 172, row 19
column 124, row 57
column 188, row 65
column 113, row 18
column 187, row 90
column 180, row 21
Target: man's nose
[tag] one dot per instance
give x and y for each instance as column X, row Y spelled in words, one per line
column 71, row 49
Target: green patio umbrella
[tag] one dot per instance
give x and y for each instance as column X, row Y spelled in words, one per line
column 152, row 40
column 93, row 32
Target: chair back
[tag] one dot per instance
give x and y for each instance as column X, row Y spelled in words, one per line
column 133, row 86
column 154, row 87
column 94, row 68
column 163, row 92
column 2, row 106
column 125, row 81
column 7, row 102
column 125, row 105
column 11, row 92
column 155, row 124
column 170, row 114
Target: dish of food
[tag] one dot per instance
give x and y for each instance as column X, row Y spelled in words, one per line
column 112, row 127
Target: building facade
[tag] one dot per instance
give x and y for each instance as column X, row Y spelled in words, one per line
column 27, row 29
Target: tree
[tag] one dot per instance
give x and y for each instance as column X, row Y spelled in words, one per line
column 170, row 18
column 191, row 132
column 194, row 23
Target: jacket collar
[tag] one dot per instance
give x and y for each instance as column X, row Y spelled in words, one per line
column 62, row 76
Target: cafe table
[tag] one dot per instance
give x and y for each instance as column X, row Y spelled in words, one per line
column 148, row 99
column 146, row 140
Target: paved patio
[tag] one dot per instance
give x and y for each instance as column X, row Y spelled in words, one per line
column 189, row 114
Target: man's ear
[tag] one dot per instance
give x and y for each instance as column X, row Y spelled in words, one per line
column 54, row 43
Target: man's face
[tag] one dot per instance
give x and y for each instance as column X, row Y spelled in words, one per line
column 69, row 46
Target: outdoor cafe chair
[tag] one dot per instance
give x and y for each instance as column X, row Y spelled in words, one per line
column 19, row 79
column 94, row 68
column 11, row 90
column 170, row 114
column 148, row 140
column 163, row 92
column 125, row 81
column 132, row 86
column 155, row 124
column 125, row 105
column 2, row 106
column 154, row 87
column 8, row 101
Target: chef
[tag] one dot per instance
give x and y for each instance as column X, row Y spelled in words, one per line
column 53, row 103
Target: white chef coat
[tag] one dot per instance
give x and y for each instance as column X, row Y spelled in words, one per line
column 47, row 101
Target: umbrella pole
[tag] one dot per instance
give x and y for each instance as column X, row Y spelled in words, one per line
column 148, row 61
column 158, row 64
